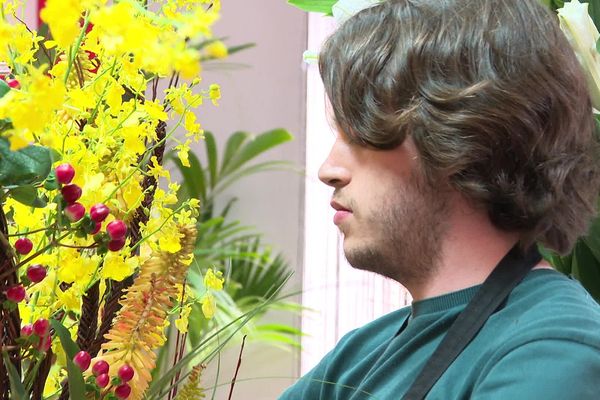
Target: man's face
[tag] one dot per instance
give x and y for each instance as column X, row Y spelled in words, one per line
column 391, row 219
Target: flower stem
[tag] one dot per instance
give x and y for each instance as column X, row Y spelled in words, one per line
column 75, row 50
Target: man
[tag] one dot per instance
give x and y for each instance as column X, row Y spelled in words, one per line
column 464, row 131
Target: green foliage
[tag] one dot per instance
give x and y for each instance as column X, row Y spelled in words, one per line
column 26, row 166
column 28, row 195
column 17, row 390
column 74, row 375
column 252, row 273
column 320, row 6
column 4, row 88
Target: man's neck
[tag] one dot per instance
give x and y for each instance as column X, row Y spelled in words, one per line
column 470, row 251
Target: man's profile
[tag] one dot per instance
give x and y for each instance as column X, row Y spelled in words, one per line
column 465, row 135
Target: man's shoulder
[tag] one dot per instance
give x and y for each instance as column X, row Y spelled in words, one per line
column 549, row 305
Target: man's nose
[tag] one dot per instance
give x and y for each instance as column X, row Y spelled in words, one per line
column 333, row 171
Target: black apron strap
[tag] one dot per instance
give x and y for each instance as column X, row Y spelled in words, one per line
column 494, row 291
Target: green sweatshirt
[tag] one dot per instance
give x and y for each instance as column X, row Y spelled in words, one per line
column 543, row 344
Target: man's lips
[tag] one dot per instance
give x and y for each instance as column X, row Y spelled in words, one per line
column 341, row 212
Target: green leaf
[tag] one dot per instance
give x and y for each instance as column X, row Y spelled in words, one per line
column 594, row 11
column 28, row 165
column 4, row 88
column 17, row 390
column 28, row 195
column 5, row 124
column 321, row 6
column 193, row 176
column 257, row 146
column 64, row 335
column 586, row 269
column 235, row 49
column 76, row 382
column 74, row 375
column 232, row 146
column 211, row 156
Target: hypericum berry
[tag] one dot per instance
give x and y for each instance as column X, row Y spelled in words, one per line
column 99, row 212
column 45, row 343
column 116, row 244
column 64, row 173
column 16, row 293
column 123, row 391
column 125, row 373
column 71, row 193
column 41, row 327
column 82, row 360
column 100, row 367
column 23, row 246
column 75, row 211
column 116, row 229
column 102, row 380
column 27, row 330
column 97, row 228
column 13, row 83
column 36, row 273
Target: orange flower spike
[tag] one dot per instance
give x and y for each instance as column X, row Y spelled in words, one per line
column 139, row 328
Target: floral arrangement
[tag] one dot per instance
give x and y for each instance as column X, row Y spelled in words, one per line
column 94, row 242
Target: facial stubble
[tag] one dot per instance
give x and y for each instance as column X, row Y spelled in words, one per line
column 402, row 238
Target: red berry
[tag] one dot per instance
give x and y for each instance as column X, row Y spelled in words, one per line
column 116, row 244
column 36, row 273
column 27, row 330
column 41, row 327
column 99, row 212
column 82, row 360
column 23, row 246
column 125, row 373
column 13, row 83
column 122, row 391
column 102, row 380
column 16, row 293
column 100, row 367
column 65, row 173
column 97, row 228
column 71, row 193
column 75, row 211
column 45, row 343
column 116, row 229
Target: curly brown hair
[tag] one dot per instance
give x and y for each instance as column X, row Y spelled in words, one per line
column 493, row 96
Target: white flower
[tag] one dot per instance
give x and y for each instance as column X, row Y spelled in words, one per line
column 310, row 57
column 581, row 32
column 344, row 9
